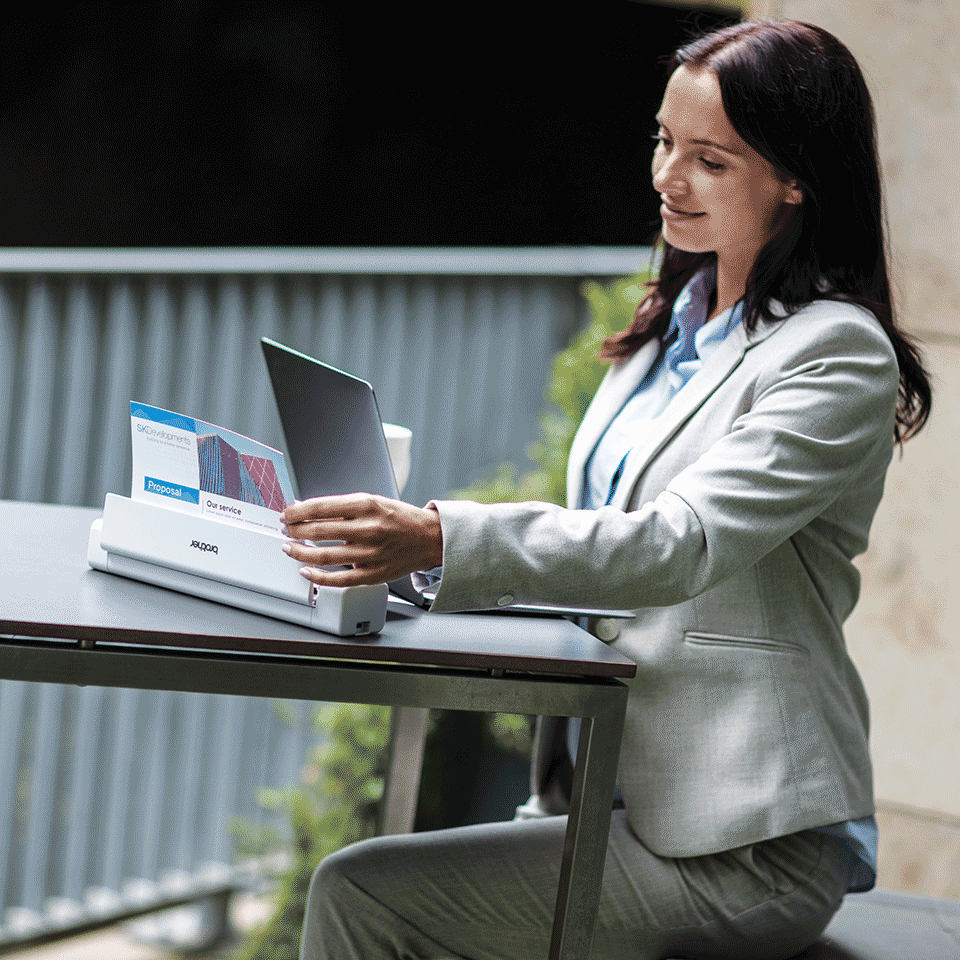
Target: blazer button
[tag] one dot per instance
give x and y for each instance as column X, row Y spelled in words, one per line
column 505, row 600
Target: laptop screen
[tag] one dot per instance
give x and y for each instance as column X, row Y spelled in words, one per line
column 331, row 425
column 334, row 436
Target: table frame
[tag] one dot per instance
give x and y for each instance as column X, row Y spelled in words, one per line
column 64, row 623
column 600, row 702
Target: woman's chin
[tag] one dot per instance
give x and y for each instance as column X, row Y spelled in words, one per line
column 684, row 236
column 687, row 244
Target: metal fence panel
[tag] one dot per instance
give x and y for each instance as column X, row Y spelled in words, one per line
column 98, row 787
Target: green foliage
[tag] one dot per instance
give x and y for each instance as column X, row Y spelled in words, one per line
column 336, row 802
column 512, row 733
column 576, row 374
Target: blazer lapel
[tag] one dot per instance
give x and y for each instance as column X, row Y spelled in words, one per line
column 693, row 395
column 614, row 391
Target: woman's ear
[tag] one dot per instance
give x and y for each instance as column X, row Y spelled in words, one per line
column 794, row 193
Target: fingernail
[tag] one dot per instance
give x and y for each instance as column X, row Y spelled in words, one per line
column 305, row 572
column 286, row 530
column 287, row 548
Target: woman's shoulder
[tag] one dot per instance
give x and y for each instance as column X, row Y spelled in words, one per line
column 840, row 311
column 834, row 325
column 834, row 339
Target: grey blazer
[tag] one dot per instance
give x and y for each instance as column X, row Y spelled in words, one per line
column 732, row 535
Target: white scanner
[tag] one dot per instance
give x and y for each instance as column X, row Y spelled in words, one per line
column 231, row 564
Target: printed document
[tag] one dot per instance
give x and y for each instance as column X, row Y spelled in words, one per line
column 198, row 467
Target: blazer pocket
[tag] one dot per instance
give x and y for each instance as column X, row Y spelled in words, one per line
column 762, row 702
column 746, row 643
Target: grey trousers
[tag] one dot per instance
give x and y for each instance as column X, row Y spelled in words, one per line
column 487, row 893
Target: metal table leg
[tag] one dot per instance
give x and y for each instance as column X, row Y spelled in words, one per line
column 588, row 830
column 408, row 735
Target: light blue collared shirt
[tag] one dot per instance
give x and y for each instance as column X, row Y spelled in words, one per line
column 692, row 340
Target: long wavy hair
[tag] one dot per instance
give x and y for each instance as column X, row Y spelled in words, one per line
column 794, row 93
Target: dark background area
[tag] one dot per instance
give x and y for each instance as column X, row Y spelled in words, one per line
column 310, row 124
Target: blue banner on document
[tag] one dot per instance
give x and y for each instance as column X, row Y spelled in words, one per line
column 177, row 491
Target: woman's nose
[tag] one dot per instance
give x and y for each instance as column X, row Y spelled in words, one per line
column 667, row 177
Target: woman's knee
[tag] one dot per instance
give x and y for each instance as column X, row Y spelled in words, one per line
column 351, row 909
column 329, row 915
column 333, row 878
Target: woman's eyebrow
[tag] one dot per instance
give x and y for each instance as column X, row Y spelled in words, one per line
column 705, row 143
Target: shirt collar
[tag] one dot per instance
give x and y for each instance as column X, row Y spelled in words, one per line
column 690, row 307
column 690, row 311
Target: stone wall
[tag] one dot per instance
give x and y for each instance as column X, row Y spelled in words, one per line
column 905, row 634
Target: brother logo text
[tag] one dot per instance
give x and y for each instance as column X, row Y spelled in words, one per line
column 206, row 547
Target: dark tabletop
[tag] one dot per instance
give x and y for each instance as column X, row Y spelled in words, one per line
column 48, row 590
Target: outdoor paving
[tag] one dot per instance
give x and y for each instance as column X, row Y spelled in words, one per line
column 115, row 944
column 103, row 945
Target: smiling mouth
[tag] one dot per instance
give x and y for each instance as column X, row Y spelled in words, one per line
column 668, row 213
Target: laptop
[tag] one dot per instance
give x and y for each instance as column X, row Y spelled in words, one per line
column 335, row 445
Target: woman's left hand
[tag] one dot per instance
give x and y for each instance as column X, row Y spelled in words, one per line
column 381, row 539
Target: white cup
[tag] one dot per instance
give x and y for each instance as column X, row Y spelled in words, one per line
column 398, row 443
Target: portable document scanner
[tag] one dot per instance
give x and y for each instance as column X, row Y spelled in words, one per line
column 236, row 565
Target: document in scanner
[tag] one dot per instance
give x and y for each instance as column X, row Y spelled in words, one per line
column 197, row 467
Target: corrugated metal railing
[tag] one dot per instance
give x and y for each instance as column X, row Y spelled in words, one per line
column 99, row 788
column 112, row 797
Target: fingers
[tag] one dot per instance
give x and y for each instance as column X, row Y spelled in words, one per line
column 381, row 539
column 356, row 531
column 330, row 555
column 370, row 564
column 342, row 507
column 354, row 517
column 355, row 577
column 365, row 560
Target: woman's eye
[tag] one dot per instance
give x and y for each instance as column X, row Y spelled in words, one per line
column 666, row 143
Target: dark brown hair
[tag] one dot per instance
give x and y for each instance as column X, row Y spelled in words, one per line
column 794, row 93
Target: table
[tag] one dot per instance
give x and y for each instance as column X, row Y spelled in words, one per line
column 69, row 624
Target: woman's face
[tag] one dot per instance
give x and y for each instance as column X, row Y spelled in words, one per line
column 718, row 194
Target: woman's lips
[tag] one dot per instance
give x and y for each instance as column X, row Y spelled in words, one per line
column 676, row 216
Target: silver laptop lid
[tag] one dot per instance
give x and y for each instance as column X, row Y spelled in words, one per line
column 333, row 432
column 331, row 425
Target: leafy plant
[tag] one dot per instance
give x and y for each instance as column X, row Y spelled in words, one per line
column 576, row 374
column 336, row 802
column 512, row 733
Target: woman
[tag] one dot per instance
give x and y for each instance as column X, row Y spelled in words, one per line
column 723, row 479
